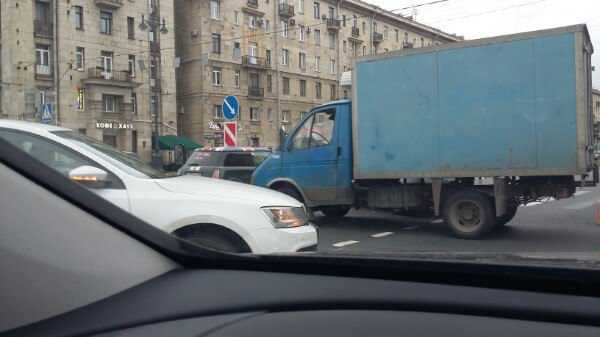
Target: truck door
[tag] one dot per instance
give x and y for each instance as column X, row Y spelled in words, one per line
column 311, row 158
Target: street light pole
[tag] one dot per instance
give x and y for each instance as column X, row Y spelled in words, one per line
column 153, row 23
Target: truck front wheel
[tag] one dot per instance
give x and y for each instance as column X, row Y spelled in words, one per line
column 335, row 211
column 470, row 215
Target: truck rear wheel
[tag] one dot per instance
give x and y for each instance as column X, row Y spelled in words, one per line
column 470, row 215
column 335, row 211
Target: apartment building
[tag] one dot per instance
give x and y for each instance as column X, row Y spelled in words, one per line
column 92, row 64
column 279, row 58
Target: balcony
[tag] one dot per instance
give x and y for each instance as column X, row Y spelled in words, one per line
column 114, row 78
column 42, row 28
column 377, row 37
column 256, row 92
column 111, row 4
column 286, row 10
column 43, row 70
column 256, row 62
column 406, row 44
column 333, row 24
column 252, row 3
column 355, row 32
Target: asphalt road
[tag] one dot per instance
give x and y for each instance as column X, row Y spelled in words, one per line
column 566, row 226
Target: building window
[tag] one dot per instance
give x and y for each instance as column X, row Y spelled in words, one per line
column 284, row 28
column 216, row 76
column 422, row 42
column 217, row 111
column 82, row 131
column 344, row 46
column 78, row 17
column 42, row 60
column 364, row 50
column 302, row 34
column 269, row 83
column 354, row 48
column 106, row 58
column 255, row 141
column 316, row 11
column 214, row 9
column 134, row 103
column 253, row 52
column 318, row 90
column 373, row 49
column 385, row 32
column 302, row 59
column 285, row 57
column 330, row 13
column 216, row 43
column 354, row 21
column 42, row 11
column 343, row 21
column 267, row 26
column 302, row 114
column 108, row 103
column 303, row 88
column 130, row 28
column 331, row 40
column 345, row 94
column 270, row 115
column 332, row 92
column 79, row 58
column 319, row 119
column 317, row 37
column 332, row 66
column 301, row 6
column 268, row 55
column 396, row 35
column 255, row 114
column 286, row 85
column 106, row 23
column 237, row 78
column 251, row 21
column 236, row 17
column 317, row 63
column 131, row 64
column 285, row 114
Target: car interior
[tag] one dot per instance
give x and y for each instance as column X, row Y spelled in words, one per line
column 73, row 264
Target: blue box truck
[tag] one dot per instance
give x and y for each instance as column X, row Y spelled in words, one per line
column 425, row 123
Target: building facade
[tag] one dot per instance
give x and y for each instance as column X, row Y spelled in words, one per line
column 279, row 58
column 86, row 65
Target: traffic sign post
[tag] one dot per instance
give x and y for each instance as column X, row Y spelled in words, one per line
column 46, row 112
column 230, row 134
column 230, row 107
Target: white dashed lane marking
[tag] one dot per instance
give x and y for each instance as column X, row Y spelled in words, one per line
column 380, row 235
column 344, row 243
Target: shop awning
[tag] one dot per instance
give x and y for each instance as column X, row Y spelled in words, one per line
column 168, row 142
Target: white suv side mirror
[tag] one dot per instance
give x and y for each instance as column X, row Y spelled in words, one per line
column 89, row 176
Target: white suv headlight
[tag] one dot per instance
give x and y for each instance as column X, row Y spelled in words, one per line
column 286, row 217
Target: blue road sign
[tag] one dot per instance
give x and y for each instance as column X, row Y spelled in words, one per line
column 46, row 112
column 231, row 107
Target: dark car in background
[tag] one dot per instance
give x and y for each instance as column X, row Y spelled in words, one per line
column 229, row 163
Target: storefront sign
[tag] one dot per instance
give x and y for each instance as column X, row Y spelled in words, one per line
column 208, row 137
column 218, row 136
column 114, row 125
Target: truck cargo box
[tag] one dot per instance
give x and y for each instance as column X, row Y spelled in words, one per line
column 515, row 105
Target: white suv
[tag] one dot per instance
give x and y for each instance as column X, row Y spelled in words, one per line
column 218, row 214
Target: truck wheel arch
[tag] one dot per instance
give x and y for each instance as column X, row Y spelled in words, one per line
column 276, row 185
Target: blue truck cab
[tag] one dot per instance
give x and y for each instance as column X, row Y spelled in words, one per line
column 314, row 163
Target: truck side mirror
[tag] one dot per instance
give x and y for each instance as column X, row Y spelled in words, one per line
column 282, row 138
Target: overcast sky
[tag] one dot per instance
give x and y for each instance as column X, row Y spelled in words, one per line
column 483, row 18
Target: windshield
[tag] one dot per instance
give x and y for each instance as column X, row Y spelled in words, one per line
column 123, row 161
column 438, row 129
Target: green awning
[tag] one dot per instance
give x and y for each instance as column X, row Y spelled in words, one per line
column 168, row 142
